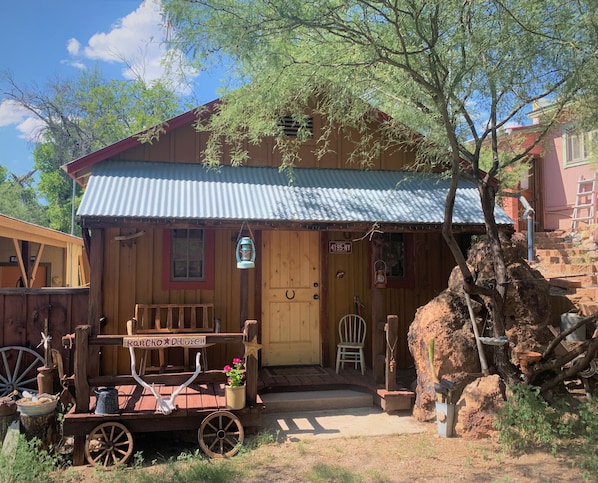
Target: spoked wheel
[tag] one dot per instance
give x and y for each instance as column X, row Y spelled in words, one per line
column 221, row 434
column 18, row 369
column 109, row 444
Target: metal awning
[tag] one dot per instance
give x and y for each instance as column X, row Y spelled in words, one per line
column 131, row 190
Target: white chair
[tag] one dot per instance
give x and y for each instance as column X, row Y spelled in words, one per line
column 351, row 330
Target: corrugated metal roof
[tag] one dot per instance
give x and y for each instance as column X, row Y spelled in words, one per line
column 190, row 191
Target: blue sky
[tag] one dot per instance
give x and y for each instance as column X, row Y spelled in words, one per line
column 45, row 40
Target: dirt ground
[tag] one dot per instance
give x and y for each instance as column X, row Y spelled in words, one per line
column 423, row 457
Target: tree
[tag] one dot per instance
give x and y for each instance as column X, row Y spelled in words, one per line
column 18, row 200
column 454, row 71
column 82, row 115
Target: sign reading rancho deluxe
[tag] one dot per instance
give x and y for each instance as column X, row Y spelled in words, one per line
column 161, row 342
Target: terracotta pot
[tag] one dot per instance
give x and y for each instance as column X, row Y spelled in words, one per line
column 235, row 396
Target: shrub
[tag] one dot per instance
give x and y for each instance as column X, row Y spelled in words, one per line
column 526, row 421
column 28, row 462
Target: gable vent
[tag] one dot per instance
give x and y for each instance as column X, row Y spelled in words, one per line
column 291, row 127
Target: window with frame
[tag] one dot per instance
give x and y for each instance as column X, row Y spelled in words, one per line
column 188, row 262
column 577, row 145
column 396, row 251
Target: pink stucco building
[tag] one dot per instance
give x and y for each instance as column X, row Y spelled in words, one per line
column 552, row 184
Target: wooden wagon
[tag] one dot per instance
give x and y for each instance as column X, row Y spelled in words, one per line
column 168, row 401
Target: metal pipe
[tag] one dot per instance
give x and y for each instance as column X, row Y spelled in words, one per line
column 529, row 214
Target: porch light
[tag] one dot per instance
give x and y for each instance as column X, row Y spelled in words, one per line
column 245, row 249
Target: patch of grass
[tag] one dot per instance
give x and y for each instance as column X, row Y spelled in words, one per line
column 378, row 476
column 28, row 462
column 332, row 473
column 425, row 448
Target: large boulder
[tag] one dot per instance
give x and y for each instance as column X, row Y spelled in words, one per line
column 477, row 407
column 446, row 319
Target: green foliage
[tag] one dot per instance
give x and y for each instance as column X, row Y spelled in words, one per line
column 80, row 116
column 456, row 72
column 18, row 199
column 527, row 421
column 29, row 463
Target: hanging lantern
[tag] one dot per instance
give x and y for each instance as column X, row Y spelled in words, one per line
column 245, row 253
column 380, row 274
column 245, row 249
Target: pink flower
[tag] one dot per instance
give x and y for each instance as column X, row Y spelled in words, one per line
column 227, row 368
column 236, row 360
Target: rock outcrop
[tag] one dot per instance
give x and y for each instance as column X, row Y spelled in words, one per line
column 446, row 320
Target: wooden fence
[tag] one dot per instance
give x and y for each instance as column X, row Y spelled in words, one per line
column 26, row 313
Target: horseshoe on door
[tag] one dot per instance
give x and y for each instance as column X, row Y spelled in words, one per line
column 292, row 294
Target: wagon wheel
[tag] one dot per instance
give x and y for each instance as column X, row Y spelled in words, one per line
column 18, row 369
column 221, row 434
column 109, row 444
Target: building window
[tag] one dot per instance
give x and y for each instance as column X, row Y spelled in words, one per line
column 396, row 251
column 577, row 145
column 188, row 259
column 187, row 254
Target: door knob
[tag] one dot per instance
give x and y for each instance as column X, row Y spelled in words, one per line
column 316, row 296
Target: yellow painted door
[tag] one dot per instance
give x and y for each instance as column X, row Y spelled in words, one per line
column 290, row 298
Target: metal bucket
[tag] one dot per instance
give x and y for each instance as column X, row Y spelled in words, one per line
column 106, row 400
column 568, row 320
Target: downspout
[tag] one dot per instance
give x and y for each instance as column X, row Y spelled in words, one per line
column 529, row 214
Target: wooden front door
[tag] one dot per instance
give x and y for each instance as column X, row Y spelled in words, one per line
column 290, row 298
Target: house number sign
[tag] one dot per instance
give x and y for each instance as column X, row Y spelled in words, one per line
column 161, row 342
column 340, row 247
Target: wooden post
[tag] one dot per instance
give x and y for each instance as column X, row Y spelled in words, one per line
column 249, row 334
column 378, row 334
column 392, row 336
column 82, row 333
column 96, row 297
column 244, row 298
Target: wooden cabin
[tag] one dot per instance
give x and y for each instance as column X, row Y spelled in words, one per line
column 163, row 230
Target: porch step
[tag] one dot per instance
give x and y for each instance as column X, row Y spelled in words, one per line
column 278, row 402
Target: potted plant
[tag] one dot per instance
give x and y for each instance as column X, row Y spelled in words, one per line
column 234, row 390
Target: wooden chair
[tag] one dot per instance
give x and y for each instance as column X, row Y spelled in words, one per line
column 351, row 329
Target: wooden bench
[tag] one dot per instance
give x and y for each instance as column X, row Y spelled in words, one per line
column 163, row 319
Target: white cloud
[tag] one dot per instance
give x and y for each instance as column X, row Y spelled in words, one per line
column 136, row 42
column 31, row 129
column 73, row 46
column 13, row 113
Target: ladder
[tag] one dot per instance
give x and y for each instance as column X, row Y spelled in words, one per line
column 584, row 202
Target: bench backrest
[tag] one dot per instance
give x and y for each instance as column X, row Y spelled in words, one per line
column 173, row 318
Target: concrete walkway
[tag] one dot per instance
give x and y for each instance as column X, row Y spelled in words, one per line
column 339, row 423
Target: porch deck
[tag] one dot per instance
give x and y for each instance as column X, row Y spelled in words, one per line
column 315, row 378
